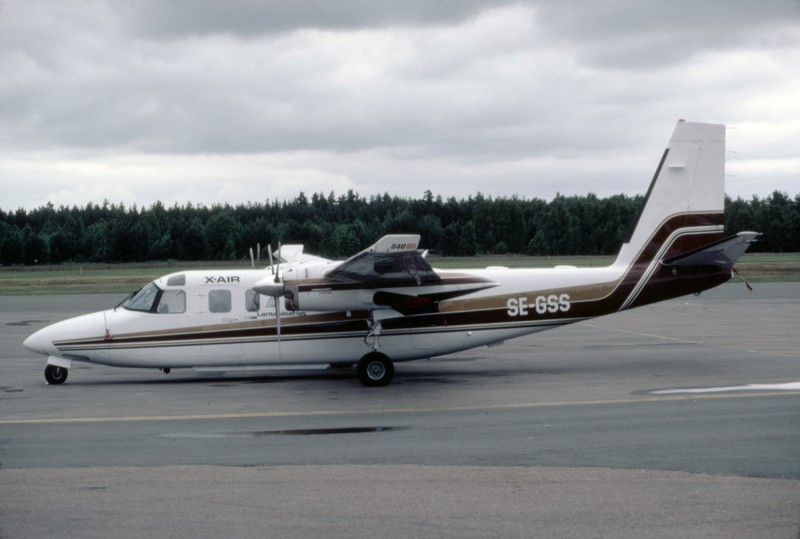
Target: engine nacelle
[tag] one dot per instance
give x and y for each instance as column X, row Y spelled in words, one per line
column 392, row 274
column 323, row 298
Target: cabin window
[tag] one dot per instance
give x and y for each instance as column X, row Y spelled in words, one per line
column 219, row 301
column 172, row 301
column 252, row 301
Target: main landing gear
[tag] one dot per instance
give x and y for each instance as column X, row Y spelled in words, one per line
column 375, row 370
column 55, row 375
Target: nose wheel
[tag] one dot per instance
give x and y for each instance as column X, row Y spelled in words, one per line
column 55, row 375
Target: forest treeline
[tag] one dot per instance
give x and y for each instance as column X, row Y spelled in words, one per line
column 340, row 226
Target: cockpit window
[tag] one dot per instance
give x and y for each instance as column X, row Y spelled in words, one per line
column 144, row 299
column 151, row 299
column 172, row 301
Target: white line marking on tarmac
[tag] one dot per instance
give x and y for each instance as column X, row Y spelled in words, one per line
column 788, row 386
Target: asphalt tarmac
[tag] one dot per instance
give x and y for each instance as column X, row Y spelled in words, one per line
column 641, row 424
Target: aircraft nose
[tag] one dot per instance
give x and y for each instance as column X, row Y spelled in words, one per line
column 39, row 342
column 87, row 326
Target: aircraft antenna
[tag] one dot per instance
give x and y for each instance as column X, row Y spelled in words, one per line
column 739, row 275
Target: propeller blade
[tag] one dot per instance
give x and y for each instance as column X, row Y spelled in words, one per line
column 278, row 271
column 258, row 252
column 252, row 260
column 271, row 267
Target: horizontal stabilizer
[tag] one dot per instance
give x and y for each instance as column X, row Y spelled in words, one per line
column 724, row 252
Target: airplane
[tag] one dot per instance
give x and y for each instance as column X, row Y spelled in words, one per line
column 387, row 305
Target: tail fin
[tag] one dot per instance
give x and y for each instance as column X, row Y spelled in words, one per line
column 687, row 191
column 678, row 243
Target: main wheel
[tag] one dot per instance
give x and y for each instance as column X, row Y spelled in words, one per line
column 55, row 375
column 375, row 370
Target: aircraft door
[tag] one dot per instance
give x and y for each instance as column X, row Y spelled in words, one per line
column 220, row 314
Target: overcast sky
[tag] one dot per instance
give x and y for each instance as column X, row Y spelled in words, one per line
column 209, row 102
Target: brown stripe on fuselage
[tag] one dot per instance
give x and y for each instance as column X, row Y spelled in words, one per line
column 693, row 231
column 317, row 323
column 586, row 301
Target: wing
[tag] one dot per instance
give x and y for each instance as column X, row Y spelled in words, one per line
column 392, row 261
column 392, row 273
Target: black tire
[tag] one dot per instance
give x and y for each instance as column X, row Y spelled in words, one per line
column 55, row 375
column 375, row 370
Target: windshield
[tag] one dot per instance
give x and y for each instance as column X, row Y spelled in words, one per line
column 144, row 299
column 151, row 299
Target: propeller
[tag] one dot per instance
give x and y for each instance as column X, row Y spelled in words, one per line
column 278, row 268
column 277, row 282
column 254, row 260
column 273, row 287
column 271, row 266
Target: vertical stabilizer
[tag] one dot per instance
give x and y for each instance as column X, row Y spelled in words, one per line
column 687, row 195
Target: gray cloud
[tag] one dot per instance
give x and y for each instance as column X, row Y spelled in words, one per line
column 248, row 18
column 629, row 34
column 506, row 97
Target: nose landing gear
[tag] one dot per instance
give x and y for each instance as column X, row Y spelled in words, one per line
column 55, row 375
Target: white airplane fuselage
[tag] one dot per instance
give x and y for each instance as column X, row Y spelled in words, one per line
column 244, row 334
column 386, row 304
